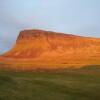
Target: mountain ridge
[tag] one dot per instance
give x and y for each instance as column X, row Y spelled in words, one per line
column 46, row 47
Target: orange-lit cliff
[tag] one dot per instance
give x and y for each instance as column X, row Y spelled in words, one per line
column 45, row 47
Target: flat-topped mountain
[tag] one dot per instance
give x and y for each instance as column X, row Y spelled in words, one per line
column 36, row 43
column 54, row 48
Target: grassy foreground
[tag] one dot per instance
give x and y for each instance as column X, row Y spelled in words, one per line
column 83, row 84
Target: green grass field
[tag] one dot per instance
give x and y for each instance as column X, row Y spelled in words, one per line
column 82, row 84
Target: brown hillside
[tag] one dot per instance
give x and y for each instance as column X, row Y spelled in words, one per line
column 38, row 46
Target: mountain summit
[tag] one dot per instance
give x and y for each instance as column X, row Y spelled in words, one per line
column 34, row 43
column 54, row 48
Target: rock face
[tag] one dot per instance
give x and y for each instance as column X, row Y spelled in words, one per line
column 34, row 43
column 52, row 47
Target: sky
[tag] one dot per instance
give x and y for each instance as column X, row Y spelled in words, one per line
column 79, row 17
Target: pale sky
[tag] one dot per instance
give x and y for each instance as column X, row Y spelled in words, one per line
column 80, row 17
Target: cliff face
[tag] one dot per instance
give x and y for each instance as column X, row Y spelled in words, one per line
column 44, row 49
column 39, row 43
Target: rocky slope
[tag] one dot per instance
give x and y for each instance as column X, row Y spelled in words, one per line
column 54, row 48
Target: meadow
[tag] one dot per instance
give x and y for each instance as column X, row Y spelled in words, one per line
column 79, row 84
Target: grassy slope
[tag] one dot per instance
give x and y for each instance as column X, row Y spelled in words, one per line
column 67, row 85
